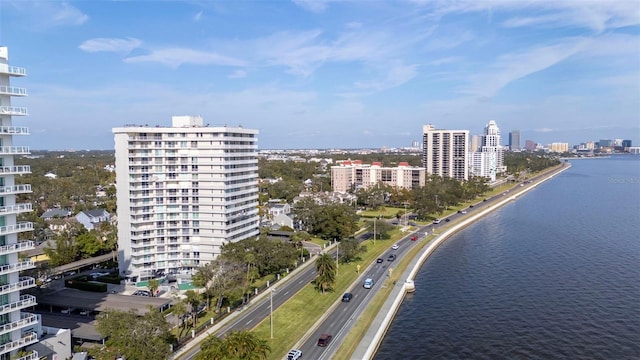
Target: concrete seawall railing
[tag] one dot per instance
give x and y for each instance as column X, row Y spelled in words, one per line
column 371, row 341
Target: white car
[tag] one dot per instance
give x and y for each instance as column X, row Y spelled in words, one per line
column 395, row 247
column 98, row 274
column 436, row 221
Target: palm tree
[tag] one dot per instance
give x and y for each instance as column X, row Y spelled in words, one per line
column 193, row 300
column 153, row 285
column 180, row 310
column 326, row 268
column 236, row 345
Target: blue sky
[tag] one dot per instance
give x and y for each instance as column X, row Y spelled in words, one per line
column 327, row 74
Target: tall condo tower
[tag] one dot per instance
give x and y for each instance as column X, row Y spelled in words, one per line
column 183, row 192
column 444, row 152
column 16, row 326
column 514, row 140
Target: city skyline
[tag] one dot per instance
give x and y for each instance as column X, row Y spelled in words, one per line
column 325, row 74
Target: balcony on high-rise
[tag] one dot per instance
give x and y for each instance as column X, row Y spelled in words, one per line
column 14, row 130
column 12, row 70
column 13, row 91
column 13, row 110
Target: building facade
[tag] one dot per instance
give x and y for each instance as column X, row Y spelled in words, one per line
column 351, row 175
column 489, row 161
column 444, row 152
column 514, row 140
column 183, row 192
column 18, row 329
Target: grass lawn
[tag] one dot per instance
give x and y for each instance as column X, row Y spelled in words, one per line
column 385, row 212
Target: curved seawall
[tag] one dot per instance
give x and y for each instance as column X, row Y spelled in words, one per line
column 371, row 340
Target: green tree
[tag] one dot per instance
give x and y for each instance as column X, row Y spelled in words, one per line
column 237, row 345
column 63, row 252
column 88, row 244
column 153, row 286
column 181, row 312
column 382, row 228
column 326, row 273
column 145, row 337
column 350, row 249
column 192, row 299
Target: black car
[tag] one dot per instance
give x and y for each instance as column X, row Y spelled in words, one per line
column 324, row 339
column 391, row 257
column 347, row 297
column 379, row 260
column 447, row 220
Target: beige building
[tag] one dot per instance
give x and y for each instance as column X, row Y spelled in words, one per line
column 444, row 152
column 348, row 175
column 559, row 147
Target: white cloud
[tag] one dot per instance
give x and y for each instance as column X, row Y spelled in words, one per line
column 197, row 17
column 396, row 76
column 65, row 14
column 174, row 57
column 543, row 130
column 238, row 74
column 110, row 45
column 514, row 66
column 316, row 6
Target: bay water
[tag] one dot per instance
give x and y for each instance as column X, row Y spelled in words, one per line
column 552, row 275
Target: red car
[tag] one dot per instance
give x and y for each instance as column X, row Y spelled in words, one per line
column 414, row 238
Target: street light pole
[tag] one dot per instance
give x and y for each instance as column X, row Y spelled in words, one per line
column 374, row 231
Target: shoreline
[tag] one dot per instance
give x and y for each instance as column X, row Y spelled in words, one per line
column 370, row 342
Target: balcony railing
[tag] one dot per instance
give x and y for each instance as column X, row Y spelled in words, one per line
column 33, row 356
column 14, row 130
column 20, row 266
column 16, row 209
column 27, row 339
column 25, row 282
column 12, row 70
column 24, row 302
column 26, row 319
column 12, row 110
column 14, row 150
column 15, row 189
column 17, row 247
column 16, row 170
column 13, row 91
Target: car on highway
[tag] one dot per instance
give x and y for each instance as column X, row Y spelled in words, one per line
column 391, row 257
column 294, row 354
column 324, row 339
column 436, row 221
column 347, row 297
column 414, row 238
column 368, row 283
column 379, row 260
column 447, row 220
column 395, row 247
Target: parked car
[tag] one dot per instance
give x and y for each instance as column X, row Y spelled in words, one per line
column 68, row 310
column 347, row 297
column 142, row 293
column 96, row 275
column 324, row 339
column 294, row 354
column 368, row 283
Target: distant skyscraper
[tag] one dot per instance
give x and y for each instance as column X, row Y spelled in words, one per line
column 444, row 152
column 17, row 327
column 476, row 142
column 514, row 140
column 489, row 161
column 530, row 145
column 183, row 192
column 626, row 143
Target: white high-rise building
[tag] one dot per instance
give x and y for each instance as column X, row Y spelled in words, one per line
column 444, row 152
column 489, row 161
column 17, row 328
column 183, row 192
